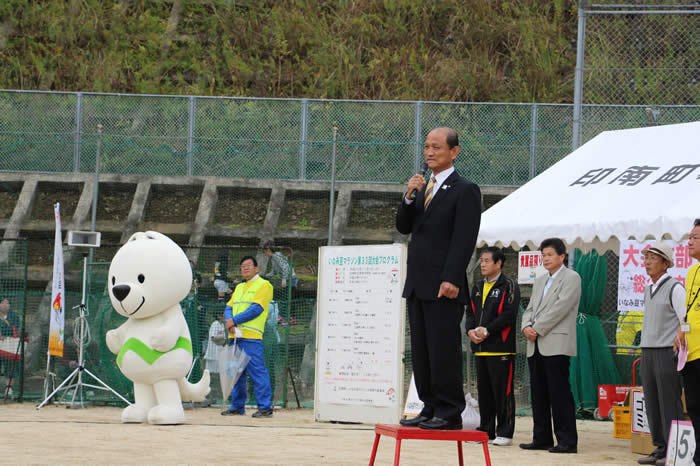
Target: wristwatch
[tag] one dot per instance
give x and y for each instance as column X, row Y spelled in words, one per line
column 486, row 332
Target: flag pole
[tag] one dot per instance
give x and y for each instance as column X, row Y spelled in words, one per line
column 56, row 309
column 48, row 375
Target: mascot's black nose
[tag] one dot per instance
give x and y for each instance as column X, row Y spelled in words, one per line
column 121, row 291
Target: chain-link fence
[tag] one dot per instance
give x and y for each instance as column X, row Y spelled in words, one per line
column 630, row 53
column 288, row 333
column 289, row 338
column 642, row 52
column 13, row 303
column 216, row 274
column 502, row 144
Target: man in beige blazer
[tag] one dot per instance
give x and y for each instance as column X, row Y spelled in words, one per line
column 549, row 324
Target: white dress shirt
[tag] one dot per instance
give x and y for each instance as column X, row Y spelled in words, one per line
column 550, row 280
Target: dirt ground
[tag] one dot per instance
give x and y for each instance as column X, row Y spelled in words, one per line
column 94, row 435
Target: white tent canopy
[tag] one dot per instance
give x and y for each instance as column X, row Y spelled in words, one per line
column 637, row 183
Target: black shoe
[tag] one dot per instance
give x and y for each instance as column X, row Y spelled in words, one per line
column 562, row 449
column 263, row 413
column 414, row 421
column 534, row 446
column 652, row 458
column 438, row 423
column 228, row 412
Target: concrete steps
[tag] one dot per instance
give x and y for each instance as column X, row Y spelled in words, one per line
column 206, row 192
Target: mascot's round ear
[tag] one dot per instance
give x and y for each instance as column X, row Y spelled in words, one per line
column 155, row 235
column 146, row 235
column 136, row 236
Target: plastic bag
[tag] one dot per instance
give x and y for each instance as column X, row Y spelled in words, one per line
column 470, row 416
column 232, row 362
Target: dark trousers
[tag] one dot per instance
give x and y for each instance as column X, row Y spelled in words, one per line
column 436, row 350
column 662, row 393
column 494, row 382
column 552, row 400
column 691, row 384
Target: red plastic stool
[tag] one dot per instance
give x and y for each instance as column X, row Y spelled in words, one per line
column 400, row 432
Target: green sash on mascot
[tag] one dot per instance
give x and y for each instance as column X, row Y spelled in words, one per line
column 147, row 353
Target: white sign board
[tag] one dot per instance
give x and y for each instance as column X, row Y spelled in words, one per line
column 529, row 267
column 633, row 278
column 681, row 444
column 639, row 414
column 360, row 332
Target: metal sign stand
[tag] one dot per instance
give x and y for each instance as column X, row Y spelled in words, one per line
column 75, row 379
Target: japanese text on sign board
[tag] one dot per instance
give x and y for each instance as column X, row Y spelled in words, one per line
column 530, row 260
column 633, row 279
column 529, row 267
column 360, row 307
column 363, row 260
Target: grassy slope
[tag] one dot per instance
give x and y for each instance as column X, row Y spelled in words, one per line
column 466, row 50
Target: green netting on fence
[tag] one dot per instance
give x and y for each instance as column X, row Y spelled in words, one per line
column 13, row 287
column 286, row 326
column 288, row 338
column 594, row 363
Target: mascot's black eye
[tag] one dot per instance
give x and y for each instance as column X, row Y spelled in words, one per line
column 113, row 280
column 141, row 278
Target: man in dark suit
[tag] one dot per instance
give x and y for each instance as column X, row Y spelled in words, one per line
column 444, row 222
column 549, row 324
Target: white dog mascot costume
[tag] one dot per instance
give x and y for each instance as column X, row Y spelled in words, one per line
column 148, row 278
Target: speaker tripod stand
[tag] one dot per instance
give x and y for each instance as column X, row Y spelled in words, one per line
column 75, row 379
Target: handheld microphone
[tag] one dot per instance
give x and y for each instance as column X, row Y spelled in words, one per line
column 423, row 169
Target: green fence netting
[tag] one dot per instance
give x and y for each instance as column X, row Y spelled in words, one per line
column 289, row 317
column 13, row 303
column 289, row 339
column 594, row 363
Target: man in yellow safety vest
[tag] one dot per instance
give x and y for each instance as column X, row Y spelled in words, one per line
column 688, row 336
column 247, row 310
